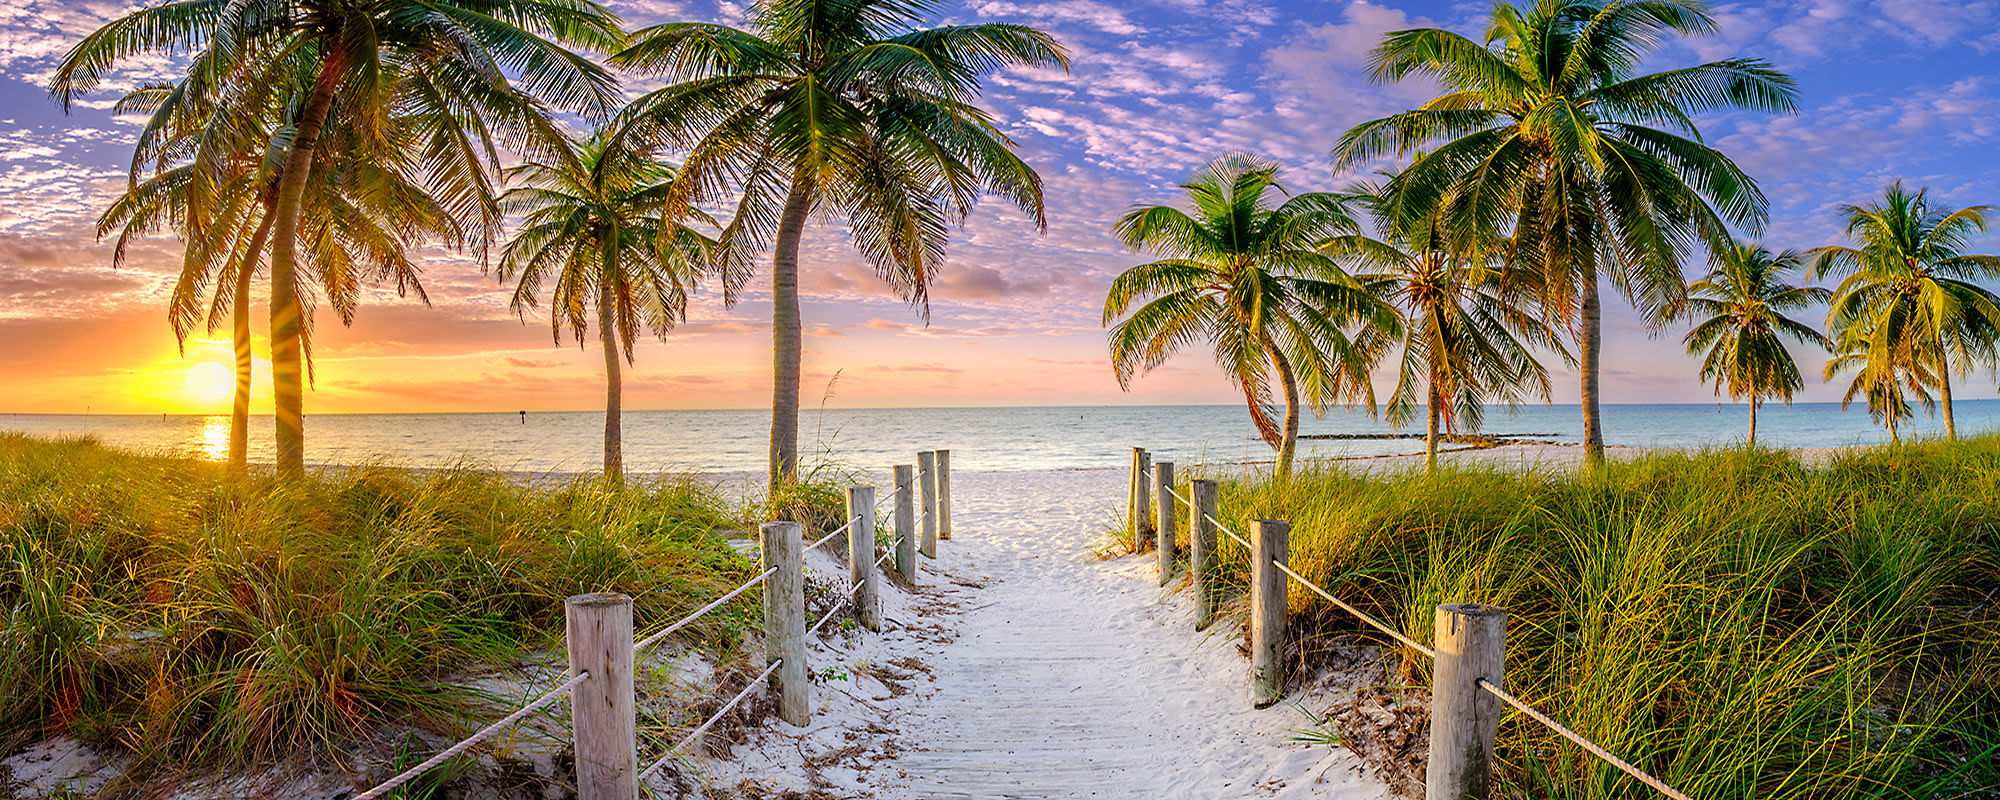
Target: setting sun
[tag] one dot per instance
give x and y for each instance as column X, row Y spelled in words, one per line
column 210, row 381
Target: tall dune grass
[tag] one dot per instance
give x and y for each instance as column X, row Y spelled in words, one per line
column 1733, row 622
column 153, row 605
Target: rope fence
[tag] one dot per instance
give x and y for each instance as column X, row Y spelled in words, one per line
column 695, row 736
column 1453, row 718
column 465, row 744
column 600, row 643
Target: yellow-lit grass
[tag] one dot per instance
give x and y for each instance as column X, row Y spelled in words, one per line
column 1733, row 622
column 153, row 604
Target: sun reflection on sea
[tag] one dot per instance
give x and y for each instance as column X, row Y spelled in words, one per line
column 214, row 442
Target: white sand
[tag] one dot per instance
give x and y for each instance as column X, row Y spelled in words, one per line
column 1055, row 675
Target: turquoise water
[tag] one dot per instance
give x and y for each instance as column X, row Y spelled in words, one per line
column 982, row 439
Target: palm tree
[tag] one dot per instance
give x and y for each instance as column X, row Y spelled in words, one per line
column 1470, row 327
column 1549, row 127
column 1909, row 287
column 361, row 219
column 1739, row 306
column 840, row 107
column 1250, row 278
column 421, row 84
column 1883, row 378
column 591, row 222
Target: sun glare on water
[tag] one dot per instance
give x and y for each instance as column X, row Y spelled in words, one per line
column 210, row 381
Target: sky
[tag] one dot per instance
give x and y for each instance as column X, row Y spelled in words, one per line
column 1891, row 89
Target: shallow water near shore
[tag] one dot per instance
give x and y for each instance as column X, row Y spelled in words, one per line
column 985, row 439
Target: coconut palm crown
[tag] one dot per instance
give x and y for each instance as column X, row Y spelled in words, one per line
column 842, row 108
column 1908, row 289
column 421, row 86
column 1471, row 328
column 1548, row 128
column 1739, row 334
column 591, row 223
column 1243, row 270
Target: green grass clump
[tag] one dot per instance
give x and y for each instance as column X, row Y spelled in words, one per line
column 154, row 605
column 1733, row 622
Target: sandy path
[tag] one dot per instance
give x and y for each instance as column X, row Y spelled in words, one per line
column 1061, row 676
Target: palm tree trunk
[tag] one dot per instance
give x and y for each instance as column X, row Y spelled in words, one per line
column 1754, row 403
column 787, row 341
column 287, row 313
column 1288, row 444
column 239, row 410
column 1431, row 430
column 1944, row 392
column 614, row 402
column 1591, row 318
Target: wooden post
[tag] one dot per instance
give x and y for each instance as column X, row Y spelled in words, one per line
column 1201, row 551
column 1163, row 518
column 906, row 523
column 1270, row 541
column 1471, row 645
column 785, row 619
column 944, row 494
column 927, row 491
column 599, row 630
column 1140, row 505
column 861, row 557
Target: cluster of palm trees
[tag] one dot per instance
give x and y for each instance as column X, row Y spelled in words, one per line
column 318, row 141
column 1549, row 162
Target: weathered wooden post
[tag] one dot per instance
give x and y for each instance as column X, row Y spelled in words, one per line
column 906, row 523
column 1163, row 518
column 944, row 494
column 1201, row 551
column 927, row 492
column 785, row 619
column 599, row 630
column 1270, row 542
column 1471, row 645
column 861, row 557
column 1139, row 506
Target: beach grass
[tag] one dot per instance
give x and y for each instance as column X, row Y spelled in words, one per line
column 1732, row 621
column 155, row 606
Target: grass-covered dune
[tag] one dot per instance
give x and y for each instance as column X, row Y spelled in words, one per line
column 153, row 606
column 1735, row 623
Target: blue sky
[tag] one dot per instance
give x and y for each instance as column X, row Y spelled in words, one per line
column 1891, row 89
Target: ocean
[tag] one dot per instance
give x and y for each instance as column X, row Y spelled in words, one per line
column 981, row 439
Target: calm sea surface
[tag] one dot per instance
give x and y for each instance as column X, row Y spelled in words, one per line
column 984, row 439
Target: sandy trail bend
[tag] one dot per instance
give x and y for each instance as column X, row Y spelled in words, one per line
column 1067, row 676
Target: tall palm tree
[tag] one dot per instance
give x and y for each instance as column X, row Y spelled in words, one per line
column 592, row 223
column 1739, row 306
column 361, row 219
column 1471, row 328
column 422, row 85
column 842, row 108
column 1548, row 126
column 1246, row 274
column 1909, row 287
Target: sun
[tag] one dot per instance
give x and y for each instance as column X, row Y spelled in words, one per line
column 210, row 381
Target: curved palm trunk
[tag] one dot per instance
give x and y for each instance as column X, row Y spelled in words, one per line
column 1288, row 443
column 787, row 342
column 1590, row 317
column 1754, row 403
column 614, row 402
column 1944, row 393
column 239, row 410
column 287, row 313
